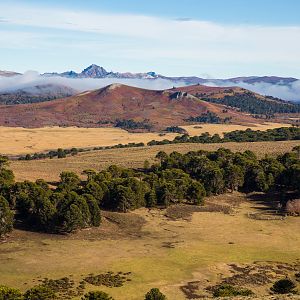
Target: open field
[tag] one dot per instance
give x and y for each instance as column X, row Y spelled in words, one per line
column 24, row 140
column 179, row 255
column 49, row 169
column 222, row 128
column 17, row 140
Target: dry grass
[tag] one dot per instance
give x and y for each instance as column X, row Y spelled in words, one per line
column 163, row 253
column 16, row 140
column 221, row 128
column 50, row 169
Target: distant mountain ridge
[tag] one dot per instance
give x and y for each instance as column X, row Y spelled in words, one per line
column 95, row 71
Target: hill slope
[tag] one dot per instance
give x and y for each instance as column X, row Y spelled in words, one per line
column 37, row 93
column 105, row 106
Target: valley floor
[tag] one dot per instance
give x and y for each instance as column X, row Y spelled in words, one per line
column 183, row 250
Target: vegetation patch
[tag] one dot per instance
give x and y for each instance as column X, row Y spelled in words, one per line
column 108, row 279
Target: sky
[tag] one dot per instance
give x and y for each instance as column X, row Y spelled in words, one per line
column 210, row 39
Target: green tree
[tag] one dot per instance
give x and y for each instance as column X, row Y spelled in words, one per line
column 94, row 189
column 94, row 210
column 6, row 217
column 69, row 181
column 39, row 292
column 151, row 198
column 7, row 293
column 196, row 192
column 234, row 177
column 155, row 294
column 97, row 295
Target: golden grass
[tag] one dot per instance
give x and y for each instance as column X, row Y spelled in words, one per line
column 222, row 128
column 16, row 140
column 49, row 169
column 203, row 248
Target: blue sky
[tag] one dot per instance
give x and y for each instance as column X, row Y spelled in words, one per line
column 214, row 38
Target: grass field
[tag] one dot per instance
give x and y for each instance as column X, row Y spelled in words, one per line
column 14, row 141
column 49, row 169
column 159, row 251
column 221, row 128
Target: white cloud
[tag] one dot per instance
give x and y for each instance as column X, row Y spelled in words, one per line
column 31, row 79
column 191, row 46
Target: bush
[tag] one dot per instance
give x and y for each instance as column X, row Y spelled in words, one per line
column 39, row 293
column 283, row 286
column 7, row 293
column 155, row 294
column 227, row 290
column 97, row 295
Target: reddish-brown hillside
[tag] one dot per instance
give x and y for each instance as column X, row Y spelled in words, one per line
column 106, row 105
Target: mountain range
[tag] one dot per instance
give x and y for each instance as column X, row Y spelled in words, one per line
column 95, row 71
column 141, row 109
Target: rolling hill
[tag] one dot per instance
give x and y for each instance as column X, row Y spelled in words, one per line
column 116, row 103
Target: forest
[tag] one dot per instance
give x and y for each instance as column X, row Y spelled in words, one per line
column 73, row 203
column 250, row 103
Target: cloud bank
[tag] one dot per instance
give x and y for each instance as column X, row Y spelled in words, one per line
column 289, row 92
column 32, row 79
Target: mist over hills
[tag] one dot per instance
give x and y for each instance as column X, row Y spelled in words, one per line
column 94, row 77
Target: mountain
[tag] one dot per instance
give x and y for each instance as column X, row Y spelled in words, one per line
column 37, row 93
column 95, row 71
column 8, row 73
column 125, row 106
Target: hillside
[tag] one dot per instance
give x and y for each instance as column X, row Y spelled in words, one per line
column 37, row 93
column 145, row 109
column 242, row 99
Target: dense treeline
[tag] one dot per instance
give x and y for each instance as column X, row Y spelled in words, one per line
column 132, row 125
column 249, row 102
column 74, row 204
column 60, row 153
column 209, row 117
column 248, row 135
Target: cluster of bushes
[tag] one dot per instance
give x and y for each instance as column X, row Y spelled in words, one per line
column 249, row 102
column 176, row 129
column 248, row 135
column 60, row 153
column 118, row 146
column 209, row 117
column 132, row 125
column 44, row 293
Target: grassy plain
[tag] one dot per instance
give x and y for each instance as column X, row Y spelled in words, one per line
column 49, row 169
column 159, row 251
column 222, row 128
column 16, row 140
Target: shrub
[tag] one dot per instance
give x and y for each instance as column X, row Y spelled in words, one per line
column 97, row 295
column 283, row 286
column 39, row 292
column 155, row 294
column 7, row 293
column 227, row 290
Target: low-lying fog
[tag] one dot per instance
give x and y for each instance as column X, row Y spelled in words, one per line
column 31, row 79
